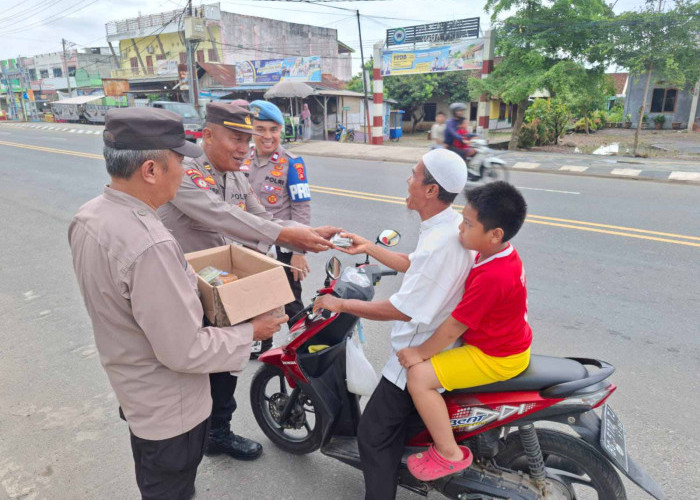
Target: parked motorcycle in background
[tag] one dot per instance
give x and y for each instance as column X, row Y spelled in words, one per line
column 301, row 401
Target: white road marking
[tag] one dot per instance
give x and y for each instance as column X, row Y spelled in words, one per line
column 526, row 165
column 685, row 176
column 548, row 190
column 71, row 130
column 81, row 131
column 629, row 172
column 573, row 168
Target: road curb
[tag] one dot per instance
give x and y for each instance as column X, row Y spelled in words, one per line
column 648, row 175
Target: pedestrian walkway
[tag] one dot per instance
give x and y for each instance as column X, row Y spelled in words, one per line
column 584, row 165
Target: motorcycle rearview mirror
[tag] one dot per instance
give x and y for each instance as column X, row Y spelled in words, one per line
column 333, row 267
column 389, row 238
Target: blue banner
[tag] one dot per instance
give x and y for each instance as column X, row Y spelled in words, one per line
column 459, row 56
column 300, row 69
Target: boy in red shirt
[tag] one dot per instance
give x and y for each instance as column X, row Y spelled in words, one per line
column 462, row 145
column 491, row 319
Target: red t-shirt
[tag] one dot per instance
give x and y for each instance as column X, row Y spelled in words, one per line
column 460, row 144
column 494, row 305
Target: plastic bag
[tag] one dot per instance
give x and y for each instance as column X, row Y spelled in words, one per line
column 360, row 376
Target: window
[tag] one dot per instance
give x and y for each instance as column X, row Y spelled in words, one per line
column 44, row 73
column 183, row 57
column 473, row 111
column 134, row 63
column 213, row 55
column 200, row 56
column 663, row 100
column 57, row 72
column 71, row 70
column 429, row 110
column 502, row 111
column 32, row 74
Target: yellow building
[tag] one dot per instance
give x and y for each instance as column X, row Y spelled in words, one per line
column 152, row 47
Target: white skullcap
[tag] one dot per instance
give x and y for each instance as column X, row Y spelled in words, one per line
column 448, row 169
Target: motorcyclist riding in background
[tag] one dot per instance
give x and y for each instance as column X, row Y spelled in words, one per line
column 456, row 132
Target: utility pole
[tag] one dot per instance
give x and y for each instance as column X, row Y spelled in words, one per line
column 364, row 82
column 191, row 67
column 65, row 62
column 644, row 102
column 23, row 88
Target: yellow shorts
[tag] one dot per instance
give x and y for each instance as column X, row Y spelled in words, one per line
column 468, row 366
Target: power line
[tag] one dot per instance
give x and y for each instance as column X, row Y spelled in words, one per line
column 49, row 20
column 29, row 11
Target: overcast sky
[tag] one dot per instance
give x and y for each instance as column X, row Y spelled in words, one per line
column 29, row 27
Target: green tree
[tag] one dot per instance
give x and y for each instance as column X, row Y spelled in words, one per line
column 538, row 35
column 583, row 89
column 411, row 92
column 663, row 43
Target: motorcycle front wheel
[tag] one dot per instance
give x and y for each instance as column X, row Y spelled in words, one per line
column 496, row 172
column 300, row 432
column 569, row 460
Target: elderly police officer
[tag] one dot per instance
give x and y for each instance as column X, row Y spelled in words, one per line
column 280, row 182
column 215, row 203
column 141, row 296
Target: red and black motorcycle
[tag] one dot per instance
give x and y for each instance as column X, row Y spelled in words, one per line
column 300, row 400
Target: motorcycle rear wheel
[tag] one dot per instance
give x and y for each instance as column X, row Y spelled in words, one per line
column 570, row 460
column 299, row 434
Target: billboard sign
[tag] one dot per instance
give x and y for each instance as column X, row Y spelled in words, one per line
column 466, row 55
column 434, row 32
column 115, row 87
column 300, row 69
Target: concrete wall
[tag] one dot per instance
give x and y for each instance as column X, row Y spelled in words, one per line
column 247, row 38
column 101, row 63
column 635, row 94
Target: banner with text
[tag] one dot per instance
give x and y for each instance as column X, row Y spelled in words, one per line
column 300, row 69
column 460, row 56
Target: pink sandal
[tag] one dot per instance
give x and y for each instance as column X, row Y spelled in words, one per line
column 430, row 465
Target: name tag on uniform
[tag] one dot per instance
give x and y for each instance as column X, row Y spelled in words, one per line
column 297, row 184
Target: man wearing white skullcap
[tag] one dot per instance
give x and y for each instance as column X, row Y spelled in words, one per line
column 432, row 287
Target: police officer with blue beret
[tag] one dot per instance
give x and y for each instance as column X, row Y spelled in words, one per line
column 279, row 179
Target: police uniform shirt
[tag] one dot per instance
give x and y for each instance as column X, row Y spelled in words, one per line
column 141, row 296
column 207, row 209
column 281, row 184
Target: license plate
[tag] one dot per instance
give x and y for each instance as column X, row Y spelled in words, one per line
column 612, row 437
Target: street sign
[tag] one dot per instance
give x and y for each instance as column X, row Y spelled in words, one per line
column 434, row 32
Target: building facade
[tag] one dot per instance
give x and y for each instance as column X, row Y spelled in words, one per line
column 93, row 60
column 154, row 56
column 674, row 102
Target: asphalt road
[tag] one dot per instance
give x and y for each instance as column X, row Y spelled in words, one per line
column 612, row 273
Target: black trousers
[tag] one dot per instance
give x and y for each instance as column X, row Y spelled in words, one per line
column 223, row 385
column 389, row 419
column 166, row 469
column 293, row 308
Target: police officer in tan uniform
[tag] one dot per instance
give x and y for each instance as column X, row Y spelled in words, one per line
column 279, row 179
column 214, row 205
column 141, row 296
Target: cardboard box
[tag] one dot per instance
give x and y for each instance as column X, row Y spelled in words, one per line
column 261, row 287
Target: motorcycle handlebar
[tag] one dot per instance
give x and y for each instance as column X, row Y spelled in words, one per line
column 385, row 271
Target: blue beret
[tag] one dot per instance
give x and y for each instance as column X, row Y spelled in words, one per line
column 266, row 111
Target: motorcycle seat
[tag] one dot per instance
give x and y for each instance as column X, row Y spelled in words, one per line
column 543, row 372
